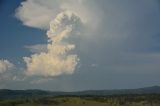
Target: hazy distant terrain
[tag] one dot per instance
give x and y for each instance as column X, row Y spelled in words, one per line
column 149, row 96
column 10, row 94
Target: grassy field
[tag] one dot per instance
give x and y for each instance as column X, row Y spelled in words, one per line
column 121, row 100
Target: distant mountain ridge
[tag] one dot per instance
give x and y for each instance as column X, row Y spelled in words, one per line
column 145, row 90
column 9, row 94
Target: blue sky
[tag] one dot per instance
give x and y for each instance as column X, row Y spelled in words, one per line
column 116, row 44
column 14, row 35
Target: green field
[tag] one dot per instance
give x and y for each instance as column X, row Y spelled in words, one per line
column 119, row 100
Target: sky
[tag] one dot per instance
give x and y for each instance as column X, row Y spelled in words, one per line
column 68, row 45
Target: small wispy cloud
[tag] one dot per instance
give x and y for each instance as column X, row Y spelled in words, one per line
column 5, row 65
column 38, row 48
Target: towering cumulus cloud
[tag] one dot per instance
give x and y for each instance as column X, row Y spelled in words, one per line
column 56, row 60
column 66, row 18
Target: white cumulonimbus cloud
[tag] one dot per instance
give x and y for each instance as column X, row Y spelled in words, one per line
column 66, row 18
column 5, row 65
column 56, row 60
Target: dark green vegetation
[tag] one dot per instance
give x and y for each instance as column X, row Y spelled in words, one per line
column 116, row 100
column 149, row 96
